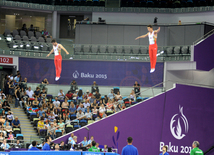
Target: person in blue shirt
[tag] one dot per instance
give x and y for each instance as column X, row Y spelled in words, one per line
column 111, row 95
column 129, row 149
column 46, row 146
column 164, row 149
column 70, row 138
column 33, row 148
column 84, row 142
column 5, row 145
column 74, row 141
column 16, row 123
column 90, row 141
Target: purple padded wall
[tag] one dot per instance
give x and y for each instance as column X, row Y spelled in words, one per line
column 204, row 54
column 149, row 123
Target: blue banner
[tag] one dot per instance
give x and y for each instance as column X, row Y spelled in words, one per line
column 105, row 73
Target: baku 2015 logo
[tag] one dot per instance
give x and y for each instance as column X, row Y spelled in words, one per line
column 115, row 137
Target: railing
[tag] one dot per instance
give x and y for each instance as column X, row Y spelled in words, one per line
column 203, row 37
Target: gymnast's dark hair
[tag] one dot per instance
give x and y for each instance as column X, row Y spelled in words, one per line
column 149, row 26
column 53, row 41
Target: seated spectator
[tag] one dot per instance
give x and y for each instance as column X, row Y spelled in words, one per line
column 81, row 107
column 120, row 101
column 97, row 118
column 45, row 106
column 57, row 103
column 57, row 147
column 35, row 103
column 72, row 109
column 94, row 104
column 51, row 131
column 51, row 117
column 37, row 92
column 109, row 104
column 51, row 106
column 61, row 95
column 69, row 95
column 111, row 95
column 74, row 141
column 45, row 82
column 46, row 34
column 123, row 106
column 43, row 94
column 118, row 96
column 41, row 111
column 102, row 111
column 6, row 106
column 90, row 141
column 88, row 115
column 30, row 93
column 1, row 137
column 94, row 87
column 5, row 145
column 2, row 120
column 8, row 128
column 136, row 88
column 17, row 144
column 2, row 100
column 97, row 146
column 31, row 28
column 47, row 124
column 74, row 86
column 80, row 115
column 94, row 112
column 56, row 113
column 70, row 138
column 87, row 95
column 40, row 124
column 48, row 112
column 91, row 100
column 65, row 104
column 109, row 110
column 97, row 96
column 1, row 93
column 67, row 119
column 34, row 148
column 1, row 110
column 86, row 104
column 60, row 118
column 132, row 96
column 44, row 117
column 105, row 149
column 55, row 123
column 84, row 142
column 118, row 108
column 75, row 95
column 61, row 126
column 93, row 148
column 11, row 136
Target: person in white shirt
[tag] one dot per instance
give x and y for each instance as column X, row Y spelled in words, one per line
column 80, row 115
column 61, row 95
column 102, row 111
column 56, row 103
column 86, row 104
column 88, row 115
column 30, row 92
column 1, row 93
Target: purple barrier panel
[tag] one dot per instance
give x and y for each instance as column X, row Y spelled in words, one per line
column 106, row 73
column 175, row 118
column 204, row 54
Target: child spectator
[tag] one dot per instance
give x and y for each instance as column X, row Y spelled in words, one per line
column 10, row 136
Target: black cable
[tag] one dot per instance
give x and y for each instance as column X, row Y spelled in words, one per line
column 163, row 114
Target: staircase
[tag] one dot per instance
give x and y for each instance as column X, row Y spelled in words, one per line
column 26, row 127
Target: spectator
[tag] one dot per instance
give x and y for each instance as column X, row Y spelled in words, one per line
column 2, row 98
column 81, row 107
column 74, row 141
column 132, row 96
column 51, row 131
column 61, row 126
column 46, row 146
column 41, row 111
column 29, row 92
column 37, row 92
column 86, row 104
column 80, row 115
column 1, row 137
column 24, row 28
column 10, row 136
column 44, row 83
column 40, row 124
column 88, row 115
column 84, row 142
column 97, row 118
column 91, row 100
column 8, row 128
column 51, row 118
column 72, row 109
column 118, row 108
column 102, row 111
column 45, row 106
column 97, row 96
column 34, row 148
column 51, row 106
column 79, row 96
column 57, row 147
column 5, row 106
column 43, row 94
column 11, row 91
column 5, row 145
column 67, row 119
column 94, row 87
column 16, row 123
column 123, row 106
column 118, row 96
column 31, row 28
column 44, row 117
column 136, row 88
column 46, row 34
column 23, row 98
column 70, row 138
column 35, row 103
column 48, row 112
column 87, row 95
column 64, row 114
column 23, row 84
column 17, row 96
column 17, row 144
column 74, row 86
column 121, row 101
column 47, row 124
column 94, row 112
column 55, row 124
column 105, row 149
column 56, row 113
column 105, row 100
column 111, row 95
column 97, row 146
column 94, row 104
column 75, row 94
column 61, row 95
column 57, row 103
column 65, row 104
column 69, row 95
column 2, row 120
column 17, row 79
column 93, row 148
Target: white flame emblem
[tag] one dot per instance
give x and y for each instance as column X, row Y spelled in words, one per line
column 178, row 134
column 75, row 74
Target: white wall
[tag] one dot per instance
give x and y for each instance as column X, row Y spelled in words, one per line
column 148, row 18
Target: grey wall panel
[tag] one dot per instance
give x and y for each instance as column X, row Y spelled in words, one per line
column 85, row 34
column 99, row 34
column 176, row 35
column 77, row 33
column 115, row 35
column 130, row 33
column 143, row 41
column 192, row 33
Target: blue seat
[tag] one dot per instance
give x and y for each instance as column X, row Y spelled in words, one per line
column 53, row 100
column 19, row 136
column 69, row 100
column 83, row 121
column 32, row 113
column 58, row 131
